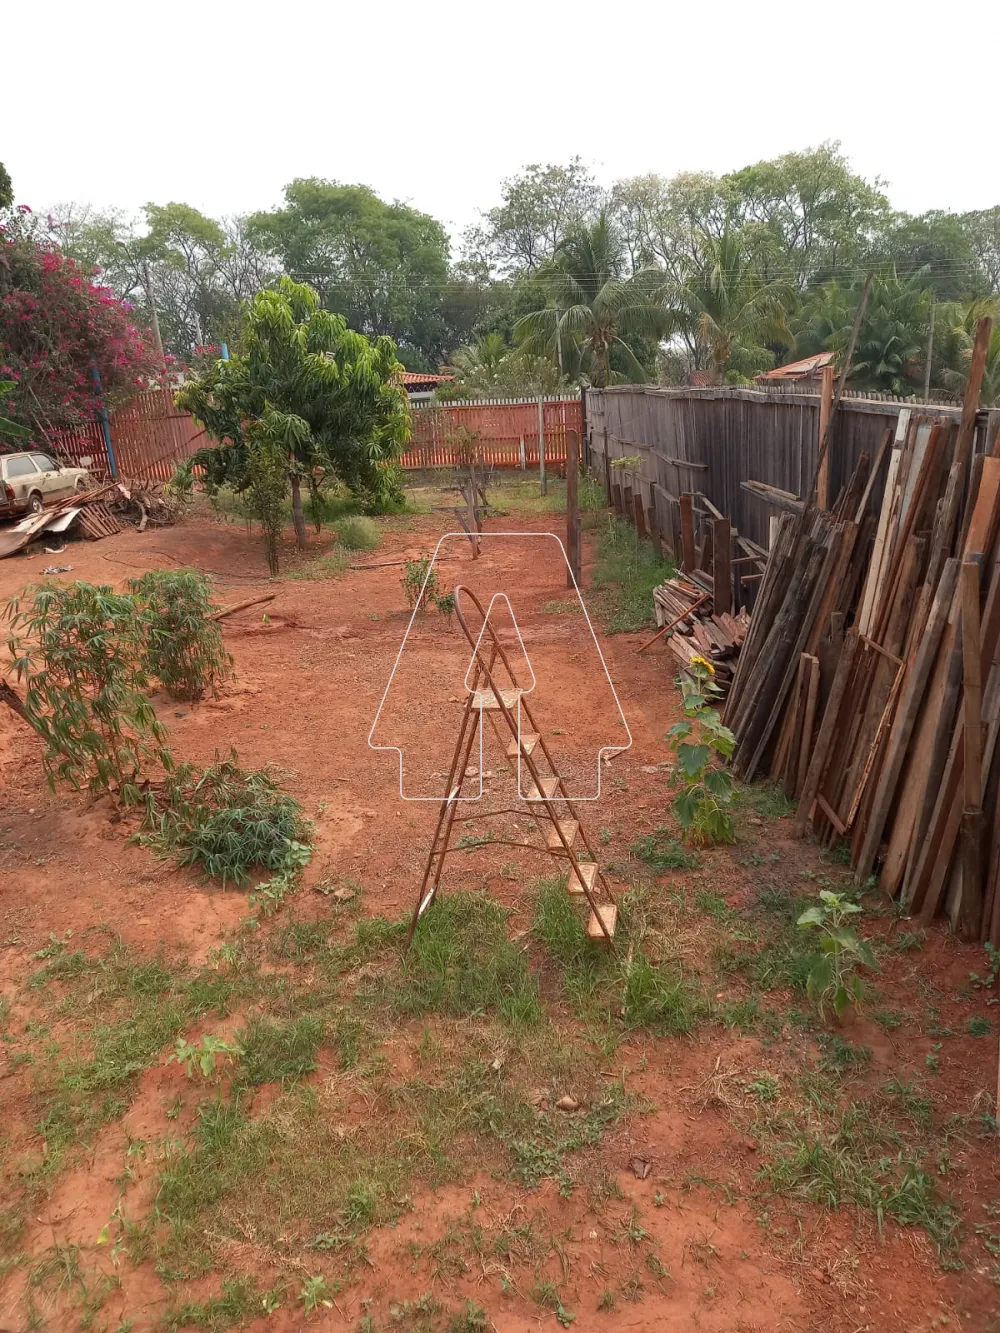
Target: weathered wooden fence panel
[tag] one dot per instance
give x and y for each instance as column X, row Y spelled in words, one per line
column 149, row 437
column 500, row 428
column 709, row 441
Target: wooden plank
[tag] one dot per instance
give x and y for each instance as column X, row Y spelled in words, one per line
column 573, row 548
column 973, row 387
column 773, row 495
column 827, row 732
column 971, row 902
column 899, row 738
column 639, row 513
column 687, row 530
column 879, row 550
column 722, row 575
column 809, row 723
column 825, row 406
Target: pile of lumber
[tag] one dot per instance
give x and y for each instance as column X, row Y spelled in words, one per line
column 693, row 629
column 869, row 681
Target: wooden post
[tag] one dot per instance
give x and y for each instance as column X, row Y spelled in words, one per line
column 607, row 470
column 572, row 507
column 971, row 903
column 653, row 523
column 687, row 530
column 541, row 445
column 825, row 405
column 524, row 459
column 722, row 574
column 616, row 497
column 639, row 510
column 970, row 403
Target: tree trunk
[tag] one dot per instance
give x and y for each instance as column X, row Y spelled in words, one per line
column 298, row 518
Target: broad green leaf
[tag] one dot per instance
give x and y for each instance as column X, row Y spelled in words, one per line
column 693, row 758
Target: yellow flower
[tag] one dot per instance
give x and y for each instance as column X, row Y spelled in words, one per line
column 703, row 661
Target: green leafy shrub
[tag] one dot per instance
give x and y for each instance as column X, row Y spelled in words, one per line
column 183, row 648
column 418, row 578
column 227, row 820
column 203, row 1057
column 832, row 976
column 706, row 792
column 79, row 649
column 358, row 534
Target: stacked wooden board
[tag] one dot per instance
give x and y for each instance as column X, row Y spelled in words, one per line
column 685, row 610
column 869, row 681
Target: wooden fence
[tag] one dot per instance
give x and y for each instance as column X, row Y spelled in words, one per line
column 709, row 441
column 506, row 431
column 149, row 437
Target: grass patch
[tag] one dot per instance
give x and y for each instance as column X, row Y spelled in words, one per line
column 627, row 571
column 328, row 566
column 766, row 799
column 662, row 852
column 461, row 963
column 278, row 1052
column 358, row 534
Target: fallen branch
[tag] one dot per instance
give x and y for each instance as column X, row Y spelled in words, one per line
column 241, row 606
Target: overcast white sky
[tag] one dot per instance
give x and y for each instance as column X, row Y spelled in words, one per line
column 116, row 102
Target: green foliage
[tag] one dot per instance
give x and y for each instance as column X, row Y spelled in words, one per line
column 204, row 1058
column 306, row 393
column 316, row 1293
column 461, row 962
column 79, row 649
column 702, row 805
column 661, row 852
column 228, row 821
column 627, row 571
column 278, row 1052
column 423, row 589
column 183, row 648
column 11, row 430
column 358, row 534
column 657, row 998
column 832, row 977
column 595, row 317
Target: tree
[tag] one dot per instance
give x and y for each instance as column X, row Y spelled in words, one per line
column 384, row 267
column 539, row 207
column 489, row 367
column 60, row 335
column 938, row 244
column 593, row 312
column 6, row 188
column 669, row 222
column 306, row 393
column 729, row 313
column 818, row 214
column 955, row 335
column 892, row 340
column 982, row 229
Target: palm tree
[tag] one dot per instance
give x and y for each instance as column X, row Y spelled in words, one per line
column 892, row 340
column 593, row 313
column 489, row 366
column 727, row 311
column 956, row 343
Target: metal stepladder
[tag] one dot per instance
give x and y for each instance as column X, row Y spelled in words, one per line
column 496, row 694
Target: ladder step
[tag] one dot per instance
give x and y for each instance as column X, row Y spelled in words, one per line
column 588, row 871
column 569, row 827
column 547, row 787
column 609, row 915
column 529, row 739
column 487, row 699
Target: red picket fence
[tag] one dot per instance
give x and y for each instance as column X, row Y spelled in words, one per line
column 149, row 437
column 506, row 431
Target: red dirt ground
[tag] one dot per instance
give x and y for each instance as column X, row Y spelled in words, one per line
column 309, row 677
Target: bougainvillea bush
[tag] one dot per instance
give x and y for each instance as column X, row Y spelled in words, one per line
column 56, row 328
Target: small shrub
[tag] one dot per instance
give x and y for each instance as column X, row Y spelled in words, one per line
column 227, row 820
column 627, row 571
column 203, row 1057
column 418, row 578
column 832, row 976
column 183, row 648
column 79, row 649
column 661, row 852
column 703, row 804
column 656, row 1000
column 358, row 534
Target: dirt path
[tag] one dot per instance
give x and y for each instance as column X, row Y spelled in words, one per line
column 713, row 1250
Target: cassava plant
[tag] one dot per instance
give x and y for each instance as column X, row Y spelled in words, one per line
column 228, row 821
column 702, row 805
column 79, row 651
column 183, row 647
column 833, row 976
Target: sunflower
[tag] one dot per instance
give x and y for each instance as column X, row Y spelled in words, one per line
column 703, row 661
